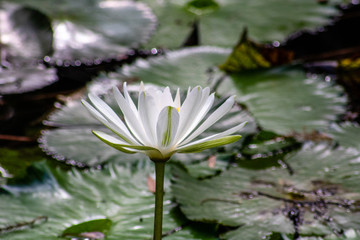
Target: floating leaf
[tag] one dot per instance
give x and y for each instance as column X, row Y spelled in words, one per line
column 182, row 68
column 248, row 55
column 320, row 198
column 26, row 78
column 221, row 22
column 78, row 204
column 284, row 100
column 26, row 34
column 87, row 30
column 346, row 134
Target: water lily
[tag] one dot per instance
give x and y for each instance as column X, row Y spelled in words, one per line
column 160, row 126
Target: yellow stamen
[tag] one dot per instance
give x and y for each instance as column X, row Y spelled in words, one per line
column 178, row 109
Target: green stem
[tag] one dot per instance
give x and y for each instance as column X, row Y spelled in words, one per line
column 159, row 194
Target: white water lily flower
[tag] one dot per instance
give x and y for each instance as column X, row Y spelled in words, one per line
column 160, row 126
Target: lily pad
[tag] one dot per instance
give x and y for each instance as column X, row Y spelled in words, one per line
column 88, row 30
column 346, row 134
column 182, row 68
column 285, row 99
column 25, row 78
column 320, row 198
column 26, row 34
column 221, row 22
column 79, row 204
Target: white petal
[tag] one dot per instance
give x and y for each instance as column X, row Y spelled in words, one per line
column 203, row 108
column 131, row 118
column 167, row 126
column 128, row 98
column 106, row 111
column 125, row 135
column 188, row 111
column 216, row 136
column 177, row 100
column 214, row 117
column 148, row 116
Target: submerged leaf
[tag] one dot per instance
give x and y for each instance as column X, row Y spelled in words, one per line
column 94, row 229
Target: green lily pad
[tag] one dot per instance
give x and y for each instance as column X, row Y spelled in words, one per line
column 346, row 134
column 221, row 22
column 182, row 68
column 79, row 204
column 88, row 30
column 320, row 198
column 25, row 78
column 284, row 100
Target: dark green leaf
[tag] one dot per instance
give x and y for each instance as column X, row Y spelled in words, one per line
column 97, row 228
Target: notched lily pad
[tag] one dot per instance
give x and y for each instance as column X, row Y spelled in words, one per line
column 320, row 198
